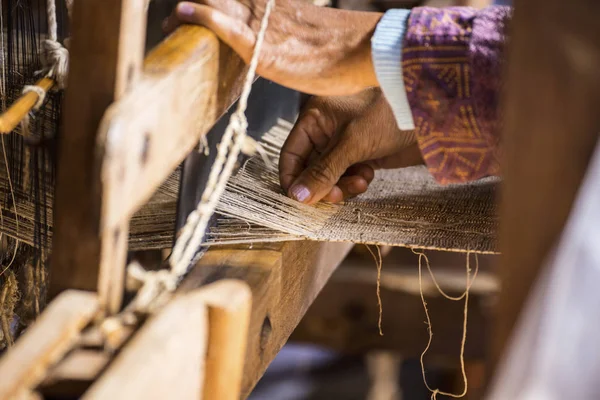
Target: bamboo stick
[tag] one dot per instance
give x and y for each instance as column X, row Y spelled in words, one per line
column 23, row 106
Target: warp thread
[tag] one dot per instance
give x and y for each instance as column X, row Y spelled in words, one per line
column 465, row 295
column 3, row 95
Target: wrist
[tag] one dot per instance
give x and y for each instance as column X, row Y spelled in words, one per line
column 347, row 37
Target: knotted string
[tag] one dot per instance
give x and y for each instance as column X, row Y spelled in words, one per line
column 55, row 57
column 157, row 286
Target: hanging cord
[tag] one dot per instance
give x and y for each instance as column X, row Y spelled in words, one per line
column 157, row 286
column 55, row 57
column 469, row 282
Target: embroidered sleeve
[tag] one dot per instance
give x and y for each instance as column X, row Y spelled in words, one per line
column 451, row 62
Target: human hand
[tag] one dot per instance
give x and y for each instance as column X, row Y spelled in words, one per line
column 337, row 144
column 315, row 50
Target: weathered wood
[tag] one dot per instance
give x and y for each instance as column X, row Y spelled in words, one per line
column 106, row 54
column 284, row 279
column 229, row 304
column 551, row 127
column 190, row 80
column 46, row 342
column 164, row 360
column 74, row 374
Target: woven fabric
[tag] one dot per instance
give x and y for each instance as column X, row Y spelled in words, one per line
column 404, row 207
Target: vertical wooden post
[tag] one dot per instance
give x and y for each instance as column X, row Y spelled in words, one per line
column 106, row 57
column 229, row 305
column 551, row 127
column 164, row 360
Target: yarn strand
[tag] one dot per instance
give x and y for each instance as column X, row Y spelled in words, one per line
column 469, row 282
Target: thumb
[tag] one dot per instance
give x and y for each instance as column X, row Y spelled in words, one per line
column 321, row 175
column 234, row 32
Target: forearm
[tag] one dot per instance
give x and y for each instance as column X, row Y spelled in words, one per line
column 451, row 64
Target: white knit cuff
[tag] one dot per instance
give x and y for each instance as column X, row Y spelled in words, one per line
column 387, row 60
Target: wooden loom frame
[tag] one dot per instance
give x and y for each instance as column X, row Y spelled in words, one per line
column 124, row 151
column 132, row 122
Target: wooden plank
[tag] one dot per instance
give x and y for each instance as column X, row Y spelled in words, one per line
column 106, row 55
column 73, row 375
column 164, row 360
column 190, row 80
column 551, row 127
column 46, row 342
column 229, row 304
column 284, row 279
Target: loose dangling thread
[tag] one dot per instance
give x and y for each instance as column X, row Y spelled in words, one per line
column 465, row 295
column 379, row 262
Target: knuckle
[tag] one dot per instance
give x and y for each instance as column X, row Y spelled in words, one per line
column 322, row 173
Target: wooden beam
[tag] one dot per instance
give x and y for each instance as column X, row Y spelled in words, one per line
column 106, row 55
column 164, row 360
column 550, row 130
column 45, row 342
column 190, row 80
column 284, row 279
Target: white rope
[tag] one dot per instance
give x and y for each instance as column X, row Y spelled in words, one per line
column 41, row 93
column 156, row 286
column 55, row 56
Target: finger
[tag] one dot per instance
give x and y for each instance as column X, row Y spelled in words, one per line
column 310, row 135
column 232, row 8
column 352, row 186
column 171, row 23
column 363, row 170
column 347, row 187
column 316, row 181
column 335, row 195
column 408, row 157
column 234, row 32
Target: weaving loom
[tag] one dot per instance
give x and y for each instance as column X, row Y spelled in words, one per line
column 30, row 207
column 127, row 125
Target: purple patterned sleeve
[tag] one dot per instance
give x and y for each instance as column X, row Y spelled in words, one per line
column 452, row 61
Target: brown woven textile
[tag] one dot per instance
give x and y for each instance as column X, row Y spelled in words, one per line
column 404, row 207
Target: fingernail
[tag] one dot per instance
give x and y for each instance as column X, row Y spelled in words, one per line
column 300, row 192
column 185, row 9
